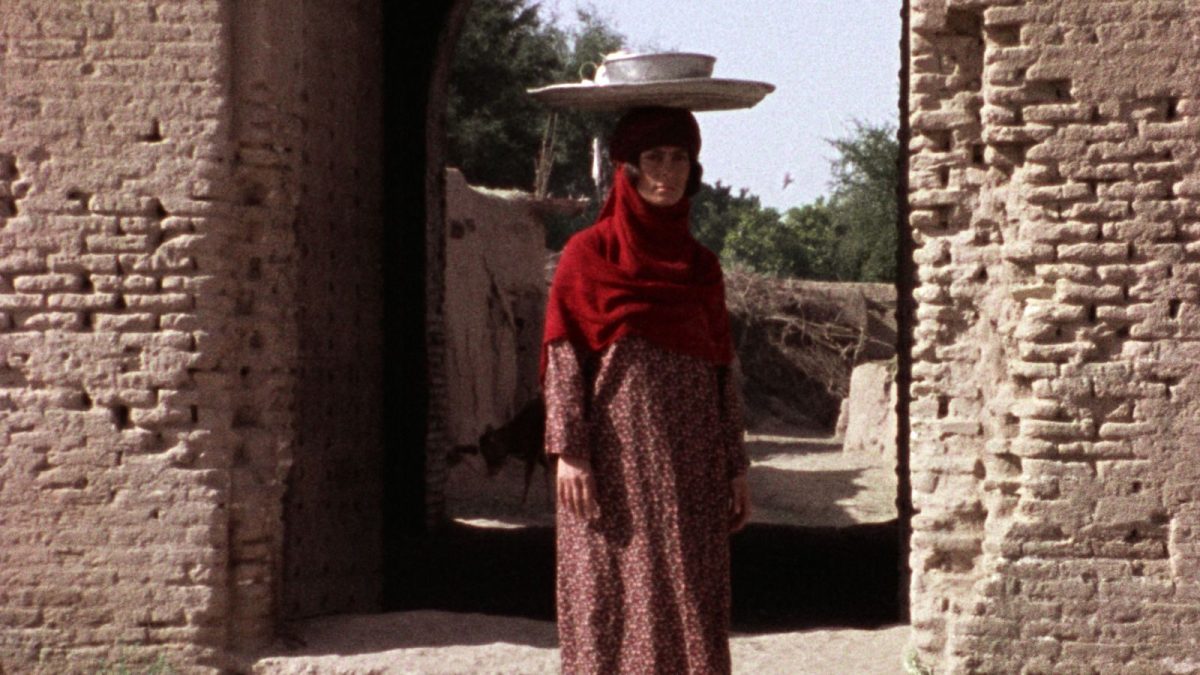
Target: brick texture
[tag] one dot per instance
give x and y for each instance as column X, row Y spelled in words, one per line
column 1055, row 392
column 188, row 225
column 114, row 478
column 333, row 515
column 307, row 81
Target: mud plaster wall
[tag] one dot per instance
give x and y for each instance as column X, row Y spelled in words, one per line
column 437, row 425
column 494, row 303
column 177, row 183
column 1055, row 207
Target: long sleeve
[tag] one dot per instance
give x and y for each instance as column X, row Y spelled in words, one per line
column 566, row 402
column 732, row 423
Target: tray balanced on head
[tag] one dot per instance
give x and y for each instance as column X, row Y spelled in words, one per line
column 673, row 79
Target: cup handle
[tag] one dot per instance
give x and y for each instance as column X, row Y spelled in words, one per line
column 583, row 67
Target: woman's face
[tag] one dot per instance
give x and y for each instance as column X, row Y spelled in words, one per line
column 663, row 174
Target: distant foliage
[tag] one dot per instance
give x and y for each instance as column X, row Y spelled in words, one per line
column 863, row 202
column 559, row 228
column 761, row 242
column 495, row 130
column 572, row 173
column 849, row 237
column 816, row 240
column 716, row 212
column 493, row 127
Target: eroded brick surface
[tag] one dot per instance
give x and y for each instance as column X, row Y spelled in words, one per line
column 188, row 223
column 332, row 512
column 185, row 208
column 1055, row 387
column 114, row 485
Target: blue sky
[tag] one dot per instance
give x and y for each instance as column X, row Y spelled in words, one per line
column 832, row 61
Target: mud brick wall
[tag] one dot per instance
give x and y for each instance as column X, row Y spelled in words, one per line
column 114, row 477
column 1055, row 204
column 308, row 124
column 185, row 224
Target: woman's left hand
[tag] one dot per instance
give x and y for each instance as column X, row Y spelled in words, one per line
column 739, row 504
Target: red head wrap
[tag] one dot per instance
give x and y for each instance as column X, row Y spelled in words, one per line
column 637, row 270
column 643, row 128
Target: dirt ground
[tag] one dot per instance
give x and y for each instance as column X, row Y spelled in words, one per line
column 798, row 479
column 440, row 643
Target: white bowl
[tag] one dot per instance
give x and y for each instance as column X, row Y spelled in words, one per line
column 620, row 68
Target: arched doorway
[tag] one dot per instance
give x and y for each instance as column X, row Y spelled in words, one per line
column 410, row 515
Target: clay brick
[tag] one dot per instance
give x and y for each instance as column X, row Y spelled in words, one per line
column 176, row 321
column 124, row 322
column 1103, row 211
column 161, row 302
column 1125, row 151
column 1153, row 131
column 1071, row 292
column 47, row 49
column 45, row 283
column 12, row 301
column 117, row 243
column 102, row 264
column 1097, row 654
column 1060, row 232
column 1023, row 135
column 1028, row 252
column 1113, row 132
column 82, row 301
column 1053, row 113
column 45, row 321
column 1093, row 254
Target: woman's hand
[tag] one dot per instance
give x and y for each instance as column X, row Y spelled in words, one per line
column 576, row 489
column 739, row 503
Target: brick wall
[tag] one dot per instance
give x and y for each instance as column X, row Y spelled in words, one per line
column 188, row 226
column 186, row 191
column 1054, row 189
column 114, row 477
column 333, row 513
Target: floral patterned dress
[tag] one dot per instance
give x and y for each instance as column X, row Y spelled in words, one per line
column 645, row 588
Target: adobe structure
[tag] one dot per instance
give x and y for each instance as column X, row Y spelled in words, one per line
column 1054, row 196
column 221, row 347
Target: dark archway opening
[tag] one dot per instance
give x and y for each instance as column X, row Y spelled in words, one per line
column 411, row 52
column 783, row 577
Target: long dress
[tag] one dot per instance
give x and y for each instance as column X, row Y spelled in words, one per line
column 645, row 588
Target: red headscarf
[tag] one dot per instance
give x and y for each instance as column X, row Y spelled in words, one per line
column 638, row 270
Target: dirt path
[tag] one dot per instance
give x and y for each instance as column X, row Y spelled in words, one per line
column 440, row 643
column 797, row 479
column 804, row 478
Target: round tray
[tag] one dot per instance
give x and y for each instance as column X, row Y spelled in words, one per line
column 697, row 94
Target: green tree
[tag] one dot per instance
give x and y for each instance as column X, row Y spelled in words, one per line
column 493, row 127
column 572, row 172
column 851, row 236
column 560, row 227
column 862, row 203
column 762, row 242
column 716, row 212
column 816, row 241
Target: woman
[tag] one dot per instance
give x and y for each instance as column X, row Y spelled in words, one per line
column 644, row 417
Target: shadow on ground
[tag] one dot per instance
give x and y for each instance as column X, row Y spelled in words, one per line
column 791, row 578
column 784, row 577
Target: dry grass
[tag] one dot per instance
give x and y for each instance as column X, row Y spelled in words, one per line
column 799, row 340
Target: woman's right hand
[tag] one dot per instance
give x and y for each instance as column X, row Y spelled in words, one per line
column 576, row 488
